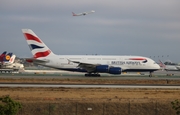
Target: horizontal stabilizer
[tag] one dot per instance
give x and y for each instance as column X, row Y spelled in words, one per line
column 34, row 60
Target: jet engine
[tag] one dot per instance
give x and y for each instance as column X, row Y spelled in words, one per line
column 107, row 69
column 102, row 68
column 115, row 70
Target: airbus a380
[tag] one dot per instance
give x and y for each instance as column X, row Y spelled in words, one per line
column 92, row 65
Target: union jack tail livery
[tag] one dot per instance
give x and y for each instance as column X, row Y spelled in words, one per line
column 37, row 47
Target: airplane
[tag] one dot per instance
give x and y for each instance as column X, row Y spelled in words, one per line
column 92, row 65
column 7, row 64
column 6, row 58
column 82, row 14
column 174, row 67
column 10, row 59
column 14, row 66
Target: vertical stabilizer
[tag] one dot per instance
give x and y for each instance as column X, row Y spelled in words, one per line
column 73, row 14
column 162, row 65
column 4, row 53
column 7, row 57
column 36, row 45
column 2, row 57
column 11, row 60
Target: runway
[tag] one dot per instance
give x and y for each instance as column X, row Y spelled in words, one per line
column 159, row 78
column 90, row 86
column 80, row 76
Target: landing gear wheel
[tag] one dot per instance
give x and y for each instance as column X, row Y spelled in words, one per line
column 150, row 74
column 92, row 75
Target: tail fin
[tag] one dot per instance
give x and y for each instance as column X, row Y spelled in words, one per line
column 7, row 57
column 4, row 53
column 11, row 60
column 2, row 57
column 74, row 14
column 162, row 65
column 36, row 45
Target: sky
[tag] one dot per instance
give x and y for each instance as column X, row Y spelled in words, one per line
column 148, row 28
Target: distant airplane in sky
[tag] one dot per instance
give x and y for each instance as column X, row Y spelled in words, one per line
column 90, row 64
column 82, row 14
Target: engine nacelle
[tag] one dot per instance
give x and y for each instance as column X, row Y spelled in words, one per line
column 115, row 70
column 107, row 69
column 102, row 68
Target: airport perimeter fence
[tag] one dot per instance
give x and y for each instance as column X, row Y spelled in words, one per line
column 120, row 107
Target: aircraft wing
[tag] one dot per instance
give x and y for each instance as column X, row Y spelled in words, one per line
column 34, row 60
column 87, row 66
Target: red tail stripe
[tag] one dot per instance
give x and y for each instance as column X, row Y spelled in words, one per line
column 42, row 54
column 31, row 37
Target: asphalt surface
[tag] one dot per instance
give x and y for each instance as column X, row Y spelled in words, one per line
column 157, row 75
column 74, row 75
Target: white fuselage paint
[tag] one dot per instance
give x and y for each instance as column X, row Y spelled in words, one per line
column 172, row 68
column 124, row 62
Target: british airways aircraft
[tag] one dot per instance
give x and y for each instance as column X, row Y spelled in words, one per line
column 92, row 65
column 82, row 14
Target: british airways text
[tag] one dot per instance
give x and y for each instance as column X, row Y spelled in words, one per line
column 125, row 62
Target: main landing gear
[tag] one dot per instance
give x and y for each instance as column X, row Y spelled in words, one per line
column 92, row 75
column 150, row 74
